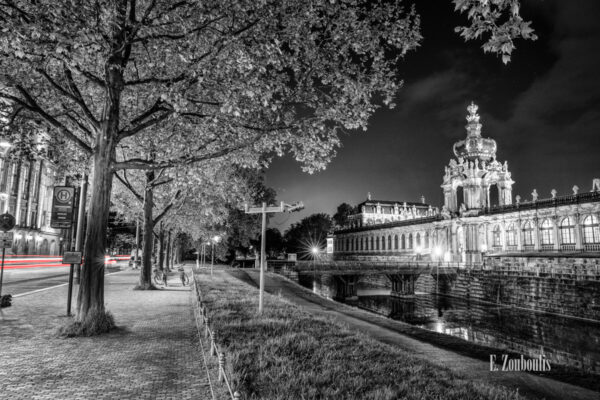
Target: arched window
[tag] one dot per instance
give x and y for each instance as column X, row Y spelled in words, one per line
column 347, row 244
column 427, row 240
column 528, row 234
column 377, row 243
column 383, row 243
column 410, row 241
column 372, row 243
column 497, row 237
column 511, row 235
column 362, row 243
column 395, row 242
column 403, row 242
column 356, row 243
column 389, row 242
column 546, row 234
column 567, row 230
column 591, row 230
column 418, row 240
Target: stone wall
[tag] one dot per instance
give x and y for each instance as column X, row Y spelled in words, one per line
column 568, row 286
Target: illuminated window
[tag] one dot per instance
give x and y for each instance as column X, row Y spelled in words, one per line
column 497, row 237
column 567, row 231
column 528, row 234
column 591, row 230
column 546, row 234
column 511, row 235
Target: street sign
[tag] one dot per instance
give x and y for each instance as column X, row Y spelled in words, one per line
column 72, row 257
column 6, row 239
column 7, row 222
column 62, row 207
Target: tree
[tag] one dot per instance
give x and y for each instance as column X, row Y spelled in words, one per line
column 344, row 211
column 213, row 77
column 243, row 229
column 310, row 232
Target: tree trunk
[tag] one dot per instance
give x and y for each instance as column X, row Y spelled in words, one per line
column 161, row 248
column 146, row 269
column 90, row 299
column 168, row 252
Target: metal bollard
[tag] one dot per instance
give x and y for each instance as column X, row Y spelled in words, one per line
column 221, row 367
column 213, row 346
column 237, row 396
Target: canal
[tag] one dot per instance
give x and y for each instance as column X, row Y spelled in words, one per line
column 565, row 341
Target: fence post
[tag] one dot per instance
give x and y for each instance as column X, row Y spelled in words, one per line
column 213, row 346
column 206, row 329
column 221, row 367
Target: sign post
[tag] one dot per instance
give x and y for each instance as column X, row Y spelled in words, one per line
column 264, row 210
column 7, row 222
column 71, row 257
column 63, row 201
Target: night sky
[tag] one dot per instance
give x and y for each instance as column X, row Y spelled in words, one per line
column 542, row 109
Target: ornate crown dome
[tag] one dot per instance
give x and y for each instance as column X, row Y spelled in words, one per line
column 474, row 146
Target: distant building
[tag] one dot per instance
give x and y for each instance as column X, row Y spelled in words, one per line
column 479, row 216
column 26, row 192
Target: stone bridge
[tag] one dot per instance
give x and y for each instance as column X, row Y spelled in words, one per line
column 343, row 276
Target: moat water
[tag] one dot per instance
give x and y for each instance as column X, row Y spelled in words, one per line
column 564, row 341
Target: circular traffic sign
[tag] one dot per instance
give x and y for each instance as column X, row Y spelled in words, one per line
column 7, row 222
column 63, row 195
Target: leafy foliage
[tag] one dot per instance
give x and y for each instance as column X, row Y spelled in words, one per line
column 344, row 211
column 500, row 19
column 309, row 232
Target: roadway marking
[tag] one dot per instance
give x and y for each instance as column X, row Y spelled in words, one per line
column 53, row 287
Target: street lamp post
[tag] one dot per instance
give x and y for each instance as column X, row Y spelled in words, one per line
column 438, row 253
column 315, row 253
column 216, row 239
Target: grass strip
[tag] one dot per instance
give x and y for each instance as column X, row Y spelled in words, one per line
column 287, row 353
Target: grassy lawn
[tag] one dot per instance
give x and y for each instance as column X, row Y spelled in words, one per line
column 288, row 353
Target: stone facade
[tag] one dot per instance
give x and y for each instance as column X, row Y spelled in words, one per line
column 26, row 188
column 468, row 229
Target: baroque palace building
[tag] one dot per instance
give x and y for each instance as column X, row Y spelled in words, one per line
column 26, row 189
column 479, row 216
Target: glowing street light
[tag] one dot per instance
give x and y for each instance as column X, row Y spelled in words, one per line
column 315, row 253
column 215, row 240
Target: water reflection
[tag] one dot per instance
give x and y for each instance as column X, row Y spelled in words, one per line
column 565, row 341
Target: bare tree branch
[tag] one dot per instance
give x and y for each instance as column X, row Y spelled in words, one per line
column 31, row 105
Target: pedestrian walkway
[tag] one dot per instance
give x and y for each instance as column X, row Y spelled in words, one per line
column 389, row 331
column 153, row 355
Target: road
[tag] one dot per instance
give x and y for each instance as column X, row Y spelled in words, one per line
column 24, row 275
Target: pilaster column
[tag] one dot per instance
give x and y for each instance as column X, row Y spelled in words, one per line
column 555, row 231
column 536, row 234
column 519, row 235
column 578, row 233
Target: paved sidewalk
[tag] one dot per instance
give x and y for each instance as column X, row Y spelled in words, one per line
column 154, row 354
column 388, row 331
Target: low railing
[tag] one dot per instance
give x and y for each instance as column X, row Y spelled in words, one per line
column 545, row 203
column 413, row 221
column 200, row 314
column 303, row 266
